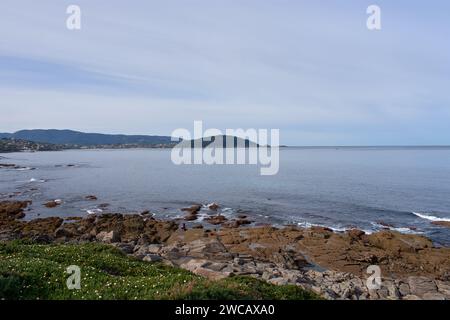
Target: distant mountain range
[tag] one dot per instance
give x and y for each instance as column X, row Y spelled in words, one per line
column 52, row 139
column 70, row 137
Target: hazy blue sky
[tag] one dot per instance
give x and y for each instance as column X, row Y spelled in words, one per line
column 310, row 68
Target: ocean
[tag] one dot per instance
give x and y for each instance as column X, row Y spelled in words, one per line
column 400, row 188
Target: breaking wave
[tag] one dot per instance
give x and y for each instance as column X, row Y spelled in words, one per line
column 430, row 217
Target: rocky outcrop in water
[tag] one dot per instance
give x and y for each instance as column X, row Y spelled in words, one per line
column 442, row 223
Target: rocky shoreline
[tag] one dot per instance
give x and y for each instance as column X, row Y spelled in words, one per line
column 331, row 264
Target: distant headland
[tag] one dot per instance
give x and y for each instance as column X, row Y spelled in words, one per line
column 55, row 140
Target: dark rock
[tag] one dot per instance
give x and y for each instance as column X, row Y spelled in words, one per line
column 52, row 203
column 213, row 206
column 355, row 234
column 13, row 209
column 385, row 225
column 146, row 213
column 192, row 209
column 442, row 223
column 126, row 248
column 190, row 217
column 218, row 219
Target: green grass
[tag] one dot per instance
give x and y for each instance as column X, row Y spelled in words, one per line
column 32, row 271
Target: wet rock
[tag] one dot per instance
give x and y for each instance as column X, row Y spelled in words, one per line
column 73, row 219
column 192, row 209
column 242, row 222
column 215, row 220
column 146, row 213
column 52, row 203
column 7, row 165
column 213, row 206
column 13, row 209
column 236, row 223
column 190, row 217
column 91, row 198
column 442, row 223
column 385, row 225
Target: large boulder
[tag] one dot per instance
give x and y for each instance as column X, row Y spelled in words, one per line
column 108, row 237
column 44, row 227
column 13, row 209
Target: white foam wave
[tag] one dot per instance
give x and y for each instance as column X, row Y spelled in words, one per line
column 430, row 217
column 94, row 211
column 309, row 225
column 404, row 230
column 24, row 169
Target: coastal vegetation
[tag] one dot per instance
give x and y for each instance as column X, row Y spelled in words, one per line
column 38, row 271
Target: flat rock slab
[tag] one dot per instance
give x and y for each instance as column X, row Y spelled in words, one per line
column 420, row 286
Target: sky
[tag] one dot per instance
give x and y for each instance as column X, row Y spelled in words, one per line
column 311, row 68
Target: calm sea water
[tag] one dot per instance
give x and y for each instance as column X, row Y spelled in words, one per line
column 406, row 188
